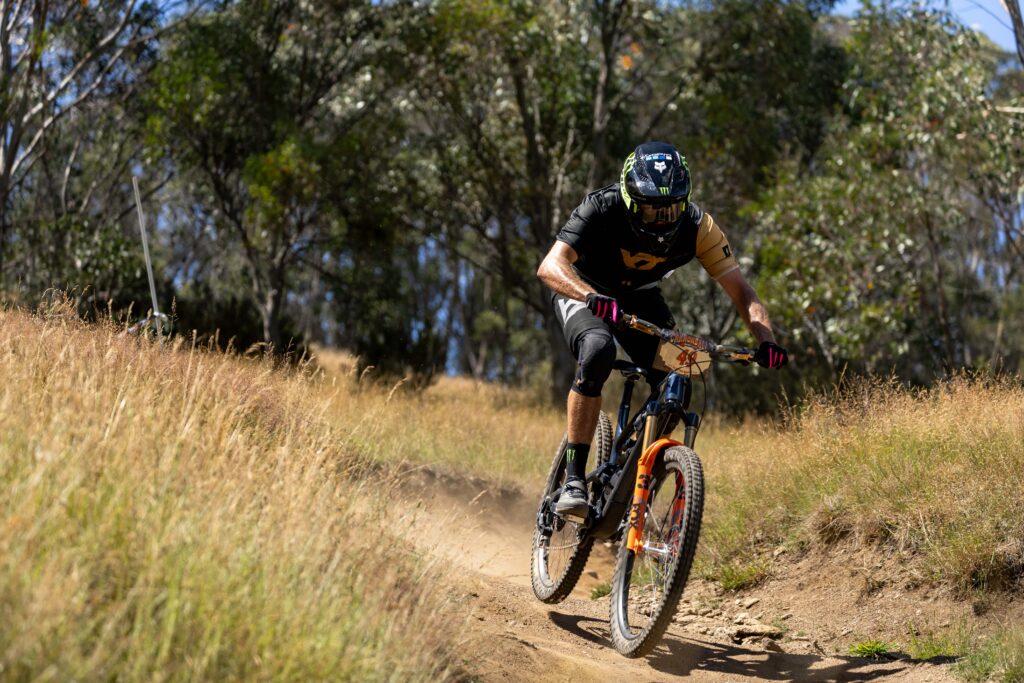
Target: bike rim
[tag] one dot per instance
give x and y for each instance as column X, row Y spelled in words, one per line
column 556, row 551
column 646, row 576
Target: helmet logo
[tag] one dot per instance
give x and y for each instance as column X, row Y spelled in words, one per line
column 660, row 166
column 663, row 190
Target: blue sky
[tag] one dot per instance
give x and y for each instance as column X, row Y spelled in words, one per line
column 987, row 16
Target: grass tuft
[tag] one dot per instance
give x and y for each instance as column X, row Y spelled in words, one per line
column 999, row 657
column 870, row 649
column 738, row 576
column 936, row 646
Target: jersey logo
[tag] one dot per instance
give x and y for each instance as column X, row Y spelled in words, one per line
column 641, row 261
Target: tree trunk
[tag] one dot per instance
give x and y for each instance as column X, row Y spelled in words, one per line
column 271, row 313
column 1013, row 8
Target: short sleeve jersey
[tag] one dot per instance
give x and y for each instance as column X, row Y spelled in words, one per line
column 614, row 262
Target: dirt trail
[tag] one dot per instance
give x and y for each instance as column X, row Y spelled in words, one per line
column 515, row 637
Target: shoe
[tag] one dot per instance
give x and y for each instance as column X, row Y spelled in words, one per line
column 573, row 501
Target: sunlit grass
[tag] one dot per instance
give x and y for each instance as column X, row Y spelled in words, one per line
column 461, row 425
column 871, row 649
column 937, row 476
column 173, row 514
column 176, row 513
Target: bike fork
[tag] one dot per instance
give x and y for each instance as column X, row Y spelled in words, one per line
column 642, row 490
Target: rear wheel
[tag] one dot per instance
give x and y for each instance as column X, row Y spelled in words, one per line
column 647, row 586
column 560, row 547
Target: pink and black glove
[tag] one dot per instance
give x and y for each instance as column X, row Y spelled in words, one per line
column 771, row 355
column 604, row 307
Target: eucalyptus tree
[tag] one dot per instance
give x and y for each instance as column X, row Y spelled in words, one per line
column 62, row 59
column 268, row 110
column 526, row 105
column 901, row 247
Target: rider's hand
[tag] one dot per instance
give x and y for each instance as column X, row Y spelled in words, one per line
column 771, row 355
column 604, row 307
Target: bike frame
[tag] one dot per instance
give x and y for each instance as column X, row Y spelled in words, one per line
column 623, row 482
column 647, row 430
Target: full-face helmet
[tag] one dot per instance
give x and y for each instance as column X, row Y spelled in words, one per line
column 655, row 185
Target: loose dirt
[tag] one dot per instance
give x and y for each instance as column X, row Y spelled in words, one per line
column 481, row 537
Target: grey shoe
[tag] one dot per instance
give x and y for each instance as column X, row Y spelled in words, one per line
column 573, row 501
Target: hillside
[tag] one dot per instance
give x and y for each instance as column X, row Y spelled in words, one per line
column 180, row 514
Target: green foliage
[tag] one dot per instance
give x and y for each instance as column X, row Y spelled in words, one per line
column 871, row 649
column 387, row 176
column 935, row 646
column 870, row 259
column 600, row 590
column 998, row 656
column 737, row 576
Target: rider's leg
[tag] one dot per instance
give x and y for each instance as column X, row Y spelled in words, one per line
column 583, row 412
column 594, row 348
column 596, row 353
column 642, row 348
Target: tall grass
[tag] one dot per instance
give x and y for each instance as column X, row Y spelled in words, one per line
column 460, row 425
column 173, row 514
column 935, row 475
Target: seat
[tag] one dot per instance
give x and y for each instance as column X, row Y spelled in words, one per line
column 628, row 368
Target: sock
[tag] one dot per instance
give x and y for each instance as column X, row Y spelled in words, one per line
column 576, row 460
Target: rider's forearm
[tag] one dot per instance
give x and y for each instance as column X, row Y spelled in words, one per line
column 753, row 312
column 755, row 315
column 559, row 276
column 757, row 321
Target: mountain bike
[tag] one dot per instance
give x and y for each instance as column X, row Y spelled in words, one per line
column 646, row 491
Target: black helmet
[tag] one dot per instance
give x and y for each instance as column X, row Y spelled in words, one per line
column 655, row 185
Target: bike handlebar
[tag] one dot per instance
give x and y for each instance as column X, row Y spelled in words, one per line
column 718, row 352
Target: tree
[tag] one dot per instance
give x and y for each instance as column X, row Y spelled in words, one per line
column 905, row 235
column 55, row 59
column 260, row 106
column 1017, row 20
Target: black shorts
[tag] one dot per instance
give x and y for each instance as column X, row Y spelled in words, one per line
column 576, row 320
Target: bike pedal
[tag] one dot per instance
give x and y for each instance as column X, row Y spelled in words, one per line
column 577, row 519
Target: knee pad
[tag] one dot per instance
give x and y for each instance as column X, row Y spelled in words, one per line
column 596, row 356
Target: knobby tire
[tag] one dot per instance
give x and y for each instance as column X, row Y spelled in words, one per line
column 552, row 589
column 675, row 462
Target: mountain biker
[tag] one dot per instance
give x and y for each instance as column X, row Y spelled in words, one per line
column 617, row 245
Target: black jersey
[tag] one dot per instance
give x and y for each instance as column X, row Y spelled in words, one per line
column 614, row 262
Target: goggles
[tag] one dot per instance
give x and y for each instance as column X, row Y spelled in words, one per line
column 656, row 215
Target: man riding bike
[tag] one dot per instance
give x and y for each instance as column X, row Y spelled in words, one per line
column 617, row 245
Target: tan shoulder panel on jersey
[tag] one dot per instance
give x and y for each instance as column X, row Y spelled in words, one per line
column 713, row 250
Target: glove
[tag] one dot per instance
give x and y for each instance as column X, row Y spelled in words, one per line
column 771, row 355
column 604, row 307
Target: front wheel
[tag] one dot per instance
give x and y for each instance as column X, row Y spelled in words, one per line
column 561, row 547
column 647, row 585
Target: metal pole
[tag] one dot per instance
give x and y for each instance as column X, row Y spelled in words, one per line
column 149, row 263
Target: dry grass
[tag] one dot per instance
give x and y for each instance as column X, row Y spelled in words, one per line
column 181, row 515
column 459, row 425
column 937, row 476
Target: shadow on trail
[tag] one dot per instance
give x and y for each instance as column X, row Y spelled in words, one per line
column 679, row 657
column 761, row 664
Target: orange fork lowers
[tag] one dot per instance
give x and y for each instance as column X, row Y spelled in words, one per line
column 642, row 490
